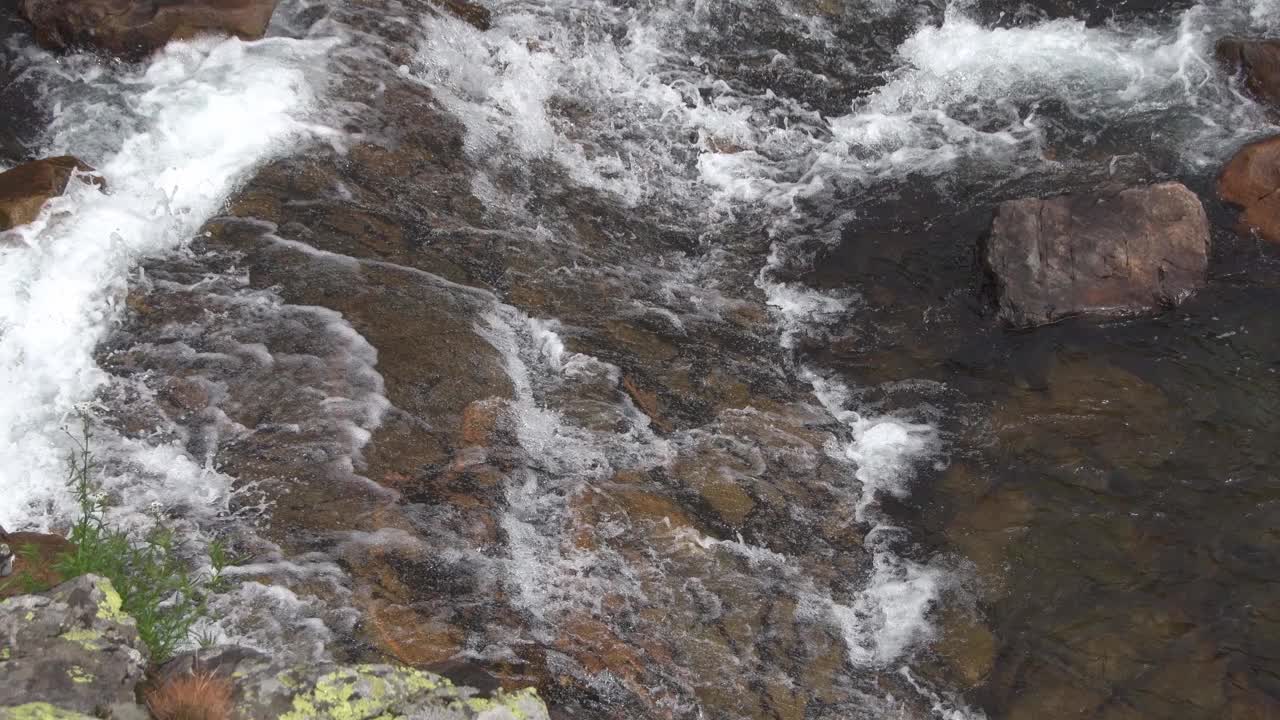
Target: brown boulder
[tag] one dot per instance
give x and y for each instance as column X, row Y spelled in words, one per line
column 136, row 28
column 1100, row 252
column 35, row 556
column 1257, row 60
column 25, row 189
column 1250, row 181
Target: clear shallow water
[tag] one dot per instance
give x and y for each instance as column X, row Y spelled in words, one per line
column 722, row 323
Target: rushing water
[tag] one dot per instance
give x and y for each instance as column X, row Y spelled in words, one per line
column 636, row 350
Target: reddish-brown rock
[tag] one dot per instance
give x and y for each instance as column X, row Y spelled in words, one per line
column 1102, row 252
column 25, row 189
column 135, row 28
column 1258, row 60
column 1250, row 181
column 473, row 13
column 35, row 557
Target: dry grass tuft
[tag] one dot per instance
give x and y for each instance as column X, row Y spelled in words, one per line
column 202, row 696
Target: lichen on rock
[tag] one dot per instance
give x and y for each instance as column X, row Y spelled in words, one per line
column 270, row 688
column 39, row 711
column 73, row 650
column 69, row 650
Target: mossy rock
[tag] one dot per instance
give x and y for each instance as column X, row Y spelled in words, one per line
column 267, row 687
column 71, row 649
column 39, row 711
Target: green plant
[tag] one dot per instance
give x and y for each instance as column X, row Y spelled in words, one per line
column 220, row 558
column 24, row 581
column 155, row 585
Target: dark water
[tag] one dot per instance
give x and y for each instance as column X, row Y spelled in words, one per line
column 639, row 351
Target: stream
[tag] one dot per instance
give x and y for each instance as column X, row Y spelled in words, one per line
column 640, row 351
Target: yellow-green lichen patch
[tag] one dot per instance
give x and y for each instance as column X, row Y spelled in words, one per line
column 514, row 704
column 335, row 697
column 111, row 608
column 287, row 679
column 87, row 639
column 415, row 681
column 366, row 692
column 31, row 615
column 5, row 654
column 79, row 675
column 38, row 711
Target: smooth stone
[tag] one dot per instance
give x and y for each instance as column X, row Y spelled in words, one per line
column 1249, row 181
column 26, row 188
column 1101, row 252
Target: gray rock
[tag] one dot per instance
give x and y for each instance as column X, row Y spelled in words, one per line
column 1103, row 252
column 40, row 711
column 266, row 687
column 71, row 648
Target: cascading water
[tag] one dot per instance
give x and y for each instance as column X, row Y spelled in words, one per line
column 610, row 348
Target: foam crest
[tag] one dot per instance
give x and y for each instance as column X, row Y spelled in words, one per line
column 598, row 90
column 887, row 618
column 969, row 94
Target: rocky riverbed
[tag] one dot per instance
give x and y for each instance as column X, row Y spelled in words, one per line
column 741, row 360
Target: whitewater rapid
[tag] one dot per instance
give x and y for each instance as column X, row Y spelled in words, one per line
column 171, row 138
column 628, row 101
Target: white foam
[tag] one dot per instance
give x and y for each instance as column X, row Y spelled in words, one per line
column 548, row 574
column 889, row 616
column 555, row 83
column 965, row 92
column 804, row 310
column 615, row 112
column 549, row 343
column 192, row 123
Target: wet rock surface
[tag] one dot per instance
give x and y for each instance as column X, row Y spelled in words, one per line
column 360, row 342
column 1114, row 482
column 71, row 647
column 1113, row 252
column 1257, row 61
column 665, row 445
column 1250, row 181
column 135, row 28
column 26, row 188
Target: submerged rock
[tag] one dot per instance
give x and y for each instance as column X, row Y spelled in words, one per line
column 265, row 687
column 1250, row 180
column 25, row 189
column 72, row 648
column 135, row 28
column 1258, row 60
column 967, row 646
column 1103, row 252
